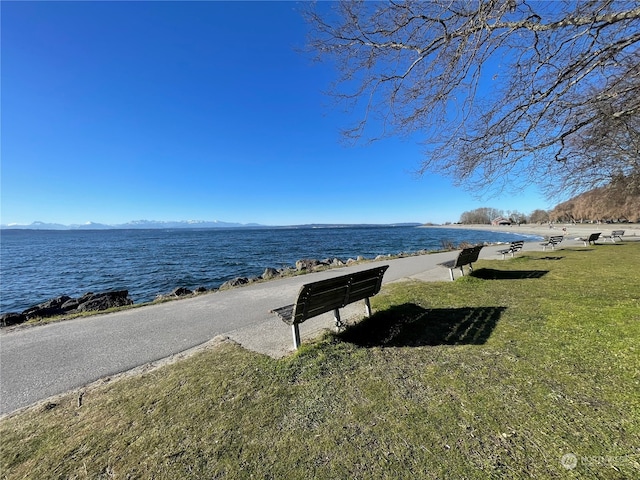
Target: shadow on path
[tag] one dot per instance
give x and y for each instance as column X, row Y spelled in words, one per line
column 410, row 325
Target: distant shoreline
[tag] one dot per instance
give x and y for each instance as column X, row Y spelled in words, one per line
column 192, row 225
column 572, row 230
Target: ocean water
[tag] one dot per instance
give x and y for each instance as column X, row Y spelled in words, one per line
column 37, row 265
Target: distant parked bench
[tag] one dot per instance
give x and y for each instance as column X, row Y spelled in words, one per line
column 552, row 242
column 615, row 234
column 513, row 248
column 332, row 294
column 466, row 257
column 591, row 239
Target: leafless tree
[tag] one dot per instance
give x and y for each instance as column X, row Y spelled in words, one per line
column 480, row 216
column 503, row 93
column 516, row 216
column 539, row 216
column 614, row 202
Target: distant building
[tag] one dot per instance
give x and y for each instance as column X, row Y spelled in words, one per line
column 501, row 221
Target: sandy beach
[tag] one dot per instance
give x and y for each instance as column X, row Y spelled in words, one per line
column 570, row 230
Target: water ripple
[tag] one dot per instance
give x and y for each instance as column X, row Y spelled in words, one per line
column 39, row 265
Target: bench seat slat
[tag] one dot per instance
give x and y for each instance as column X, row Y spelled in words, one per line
column 449, row 263
column 285, row 313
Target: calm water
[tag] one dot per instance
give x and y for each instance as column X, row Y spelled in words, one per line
column 39, row 265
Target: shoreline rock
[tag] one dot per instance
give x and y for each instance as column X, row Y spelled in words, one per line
column 89, row 302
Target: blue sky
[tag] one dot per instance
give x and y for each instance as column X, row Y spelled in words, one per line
column 120, row 111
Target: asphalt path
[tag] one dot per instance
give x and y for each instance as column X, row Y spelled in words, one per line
column 42, row 361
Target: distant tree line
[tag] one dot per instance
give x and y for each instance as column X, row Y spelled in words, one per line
column 486, row 215
column 604, row 204
column 613, row 203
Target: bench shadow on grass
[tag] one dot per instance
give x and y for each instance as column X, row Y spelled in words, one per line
column 411, row 325
column 493, row 274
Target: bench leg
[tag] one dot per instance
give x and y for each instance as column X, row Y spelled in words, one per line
column 336, row 317
column 296, row 335
column 451, row 273
column 367, row 307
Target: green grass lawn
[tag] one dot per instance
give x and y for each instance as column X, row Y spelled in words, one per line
column 528, row 368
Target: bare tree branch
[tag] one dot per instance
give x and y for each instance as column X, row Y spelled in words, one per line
column 502, row 93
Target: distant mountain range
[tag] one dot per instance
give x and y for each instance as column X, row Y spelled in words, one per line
column 136, row 224
column 153, row 224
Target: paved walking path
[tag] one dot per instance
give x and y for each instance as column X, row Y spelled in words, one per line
column 42, row 361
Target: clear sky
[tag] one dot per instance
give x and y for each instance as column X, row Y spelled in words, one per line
column 120, row 111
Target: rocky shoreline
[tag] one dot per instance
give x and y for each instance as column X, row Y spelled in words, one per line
column 65, row 305
column 95, row 302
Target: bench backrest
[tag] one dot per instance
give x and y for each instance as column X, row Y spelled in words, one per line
column 517, row 245
column 617, row 233
column 555, row 239
column 327, row 295
column 593, row 237
column 467, row 256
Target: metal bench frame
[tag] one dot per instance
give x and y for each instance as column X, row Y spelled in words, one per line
column 552, row 241
column 615, row 234
column 591, row 239
column 466, row 257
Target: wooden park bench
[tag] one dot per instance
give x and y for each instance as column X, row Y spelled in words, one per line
column 552, row 241
column 615, row 234
column 513, row 248
column 466, row 257
column 332, row 294
column 590, row 239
